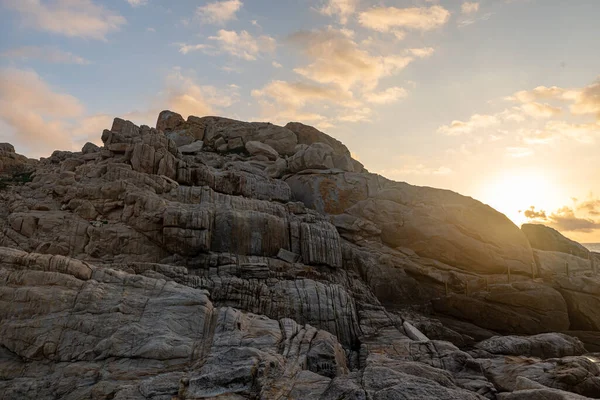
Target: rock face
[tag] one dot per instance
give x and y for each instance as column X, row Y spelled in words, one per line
column 213, row 258
column 544, row 238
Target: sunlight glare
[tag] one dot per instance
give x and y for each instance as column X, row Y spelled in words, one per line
column 513, row 192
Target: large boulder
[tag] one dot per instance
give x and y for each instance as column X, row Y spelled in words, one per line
column 523, row 307
column 438, row 224
column 545, row 345
column 582, row 295
column 229, row 131
column 12, row 163
column 545, row 238
column 341, row 156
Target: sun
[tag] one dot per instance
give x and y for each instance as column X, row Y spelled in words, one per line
column 513, row 192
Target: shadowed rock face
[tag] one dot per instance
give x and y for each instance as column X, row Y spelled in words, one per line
column 544, row 238
column 214, row 258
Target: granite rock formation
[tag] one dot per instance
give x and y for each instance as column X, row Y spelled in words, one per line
column 212, row 258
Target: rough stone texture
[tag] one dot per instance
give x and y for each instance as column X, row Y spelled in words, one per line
column 553, row 264
column 523, row 307
column 582, row 295
column 137, row 270
column 341, row 157
column 12, row 163
column 580, row 375
column 261, row 149
column 547, row 345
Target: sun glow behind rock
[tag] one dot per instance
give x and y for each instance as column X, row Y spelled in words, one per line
column 513, row 192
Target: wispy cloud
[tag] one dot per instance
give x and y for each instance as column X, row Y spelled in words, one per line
column 243, row 44
column 219, row 12
column 469, row 7
column 477, row 121
column 337, row 58
column 564, row 219
column 416, row 18
column 389, row 95
column 37, row 112
column 48, row 54
column 343, row 9
column 185, row 48
column 186, row 96
column 72, row 18
column 137, row 3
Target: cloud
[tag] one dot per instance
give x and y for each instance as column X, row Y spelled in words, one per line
column 383, row 19
column 297, row 94
column 219, row 12
column 38, row 114
column 587, row 101
column 591, row 207
column 72, row 18
column 519, row 152
column 543, row 93
column 48, row 54
column 584, row 101
column 422, row 52
column 275, row 64
column 532, row 214
column 137, row 3
column 476, row 122
column 186, row 97
column 342, row 8
column 188, row 48
column 26, row 89
column 387, row 96
column 563, row 219
column 584, row 133
column 243, row 44
column 338, row 59
column 356, row 115
column 538, row 110
column 469, row 7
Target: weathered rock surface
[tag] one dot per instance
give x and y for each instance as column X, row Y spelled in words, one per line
column 214, row 258
column 546, row 345
column 548, row 239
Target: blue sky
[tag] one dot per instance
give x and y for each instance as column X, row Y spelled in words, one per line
column 437, row 93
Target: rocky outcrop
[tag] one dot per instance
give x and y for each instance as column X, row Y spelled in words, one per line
column 547, row 345
column 213, row 258
column 545, row 238
column 13, row 164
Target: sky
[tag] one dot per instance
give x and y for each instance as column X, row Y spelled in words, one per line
column 494, row 99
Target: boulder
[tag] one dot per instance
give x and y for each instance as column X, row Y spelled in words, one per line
column 315, row 156
column 548, row 239
column 169, row 121
column 281, row 139
column 90, row 148
column 257, row 148
column 546, row 345
column 192, row 148
column 437, row 224
column 341, row 156
column 7, row 148
column 582, row 296
column 524, row 307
